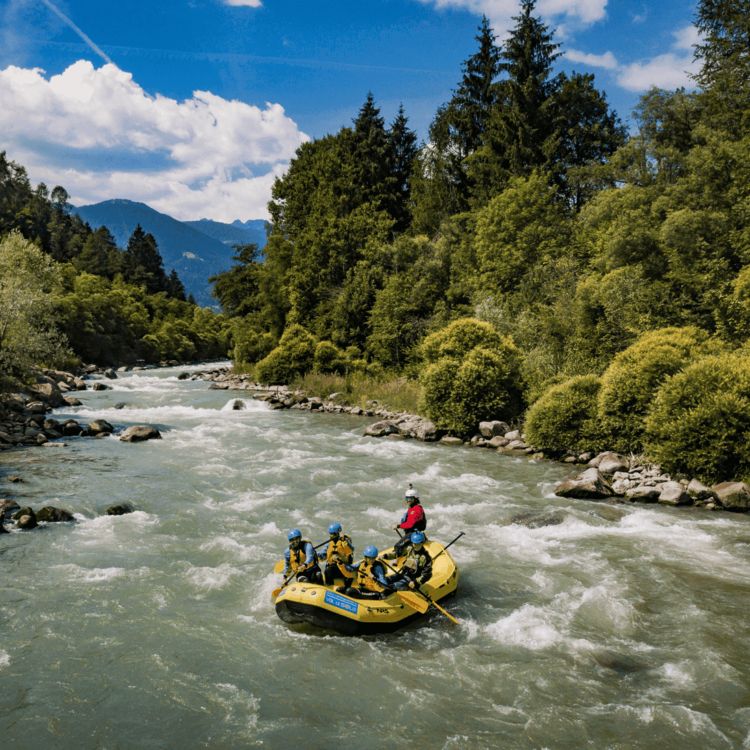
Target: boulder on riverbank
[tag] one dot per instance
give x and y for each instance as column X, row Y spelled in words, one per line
column 493, row 429
column 589, row 485
column 139, row 433
column 8, row 506
column 381, row 429
column 734, row 496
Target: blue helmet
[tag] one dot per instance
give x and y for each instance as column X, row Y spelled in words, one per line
column 334, row 528
column 417, row 537
column 294, row 534
column 371, row 551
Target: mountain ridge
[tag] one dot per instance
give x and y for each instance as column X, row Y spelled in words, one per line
column 193, row 252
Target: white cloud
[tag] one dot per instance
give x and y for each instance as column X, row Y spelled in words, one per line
column 500, row 12
column 668, row 71
column 249, row 3
column 607, row 60
column 686, row 38
column 205, row 156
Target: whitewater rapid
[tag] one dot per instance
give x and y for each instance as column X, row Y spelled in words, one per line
column 620, row 627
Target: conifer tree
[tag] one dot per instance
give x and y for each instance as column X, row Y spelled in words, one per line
column 142, row 262
column 403, row 146
column 520, row 135
column 373, row 162
column 724, row 52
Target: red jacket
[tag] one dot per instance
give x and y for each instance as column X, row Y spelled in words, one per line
column 415, row 519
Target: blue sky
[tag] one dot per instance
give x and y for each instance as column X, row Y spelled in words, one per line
column 193, row 106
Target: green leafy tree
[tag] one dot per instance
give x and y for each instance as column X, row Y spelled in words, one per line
column 294, row 356
column 28, row 336
column 521, row 228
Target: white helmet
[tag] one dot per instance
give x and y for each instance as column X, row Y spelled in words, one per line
column 411, row 492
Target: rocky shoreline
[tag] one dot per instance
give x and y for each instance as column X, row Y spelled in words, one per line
column 609, row 476
column 24, row 424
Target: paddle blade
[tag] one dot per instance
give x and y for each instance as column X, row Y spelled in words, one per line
column 415, row 601
column 447, row 614
column 279, row 567
column 276, row 592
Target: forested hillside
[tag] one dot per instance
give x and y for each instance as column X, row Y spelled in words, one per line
column 531, row 237
column 111, row 305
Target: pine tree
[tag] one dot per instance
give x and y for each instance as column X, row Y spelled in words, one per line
column 724, row 52
column 443, row 185
column 518, row 139
column 175, row 287
column 373, row 166
column 403, row 147
column 142, row 262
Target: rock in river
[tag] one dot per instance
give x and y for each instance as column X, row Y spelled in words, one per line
column 51, row 514
column 140, row 432
column 535, row 520
column 119, row 510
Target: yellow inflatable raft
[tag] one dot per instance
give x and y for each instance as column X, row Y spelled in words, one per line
column 325, row 607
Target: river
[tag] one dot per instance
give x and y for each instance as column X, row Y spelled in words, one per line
column 621, row 627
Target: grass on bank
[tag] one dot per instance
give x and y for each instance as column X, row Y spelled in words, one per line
column 399, row 394
column 356, row 389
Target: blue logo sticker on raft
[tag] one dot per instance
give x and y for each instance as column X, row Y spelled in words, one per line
column 341, row 602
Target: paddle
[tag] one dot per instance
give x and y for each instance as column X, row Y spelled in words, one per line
column 277, row 591
column 445, row 548
column 412, row 598
column 281, row 564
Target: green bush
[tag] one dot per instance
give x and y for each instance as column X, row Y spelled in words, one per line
column 293, row 356
column 699, row 423
column 631, row 381
column 328, row 358
column 566, row 416
column 475, row 383
column 459, row 338
column 251, row 346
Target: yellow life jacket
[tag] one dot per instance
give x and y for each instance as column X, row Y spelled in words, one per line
column 342, row 547
column 364, row 571
column 297, row 557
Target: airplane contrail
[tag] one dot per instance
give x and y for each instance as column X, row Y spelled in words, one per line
column 77, row 30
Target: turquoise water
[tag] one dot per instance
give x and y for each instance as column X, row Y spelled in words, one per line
column 621, row 627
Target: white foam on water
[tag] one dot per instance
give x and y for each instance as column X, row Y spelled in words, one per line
column 160, row 414
column 677, row 675
column 215, row 469
column 252, row 499
column 93, row 575
column 103, row 527
column 4, row 659
column 232, row 546
column 530, row 627
column 606, row 608
column 389, row 449
column 209, row 579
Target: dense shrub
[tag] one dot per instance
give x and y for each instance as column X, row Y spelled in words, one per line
column 250, row 345
column 631, row 381
column 459, row 338
column 293, row 356
column 699, row 423
column 328, row 358
column 474, row 374
column 566, row 416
